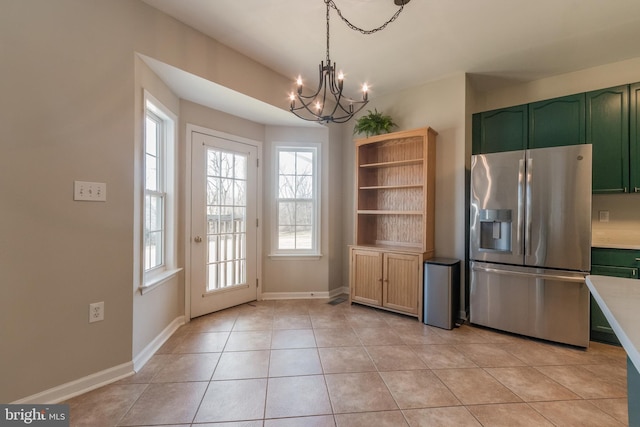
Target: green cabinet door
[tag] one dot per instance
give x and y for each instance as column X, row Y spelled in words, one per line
column 556, row 122
column 608, row 131
column 616, row 263
column 499, row 130
column 635, row 138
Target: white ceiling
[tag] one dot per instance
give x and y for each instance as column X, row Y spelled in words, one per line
column 514, row 40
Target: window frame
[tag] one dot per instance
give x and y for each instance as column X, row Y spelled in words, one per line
column 315, row 250
column 167, row 191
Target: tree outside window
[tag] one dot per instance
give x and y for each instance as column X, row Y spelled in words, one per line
column 296, row 202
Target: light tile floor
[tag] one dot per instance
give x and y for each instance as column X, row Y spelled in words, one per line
column 313, row 364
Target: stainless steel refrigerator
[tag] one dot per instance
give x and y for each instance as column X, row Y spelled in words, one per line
column 530, row 242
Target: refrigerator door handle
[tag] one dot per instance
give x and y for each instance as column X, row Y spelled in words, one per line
column 529, row 208
column 533, row 275
column 520, row 219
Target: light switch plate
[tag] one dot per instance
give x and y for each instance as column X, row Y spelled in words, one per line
column 90, row 191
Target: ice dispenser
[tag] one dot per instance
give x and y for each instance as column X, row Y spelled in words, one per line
column 495, row 230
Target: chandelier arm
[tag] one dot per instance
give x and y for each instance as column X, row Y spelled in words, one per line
column 333, row 87
column 363, row 31
column 337, row 104
column 305, row 107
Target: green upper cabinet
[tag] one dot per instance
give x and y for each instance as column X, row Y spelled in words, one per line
column 635, row 138
column 475, row 133
column 500, row 130
column 608, row 132
column 556, row 122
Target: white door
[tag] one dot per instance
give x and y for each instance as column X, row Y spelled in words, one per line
column 224, row 249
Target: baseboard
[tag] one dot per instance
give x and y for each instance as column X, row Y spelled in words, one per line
column 305, row 295
column 74, row 388
column 91, row 382
column 143, row 357
column 339, row 291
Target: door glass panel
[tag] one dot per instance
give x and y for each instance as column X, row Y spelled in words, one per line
column 226, row 219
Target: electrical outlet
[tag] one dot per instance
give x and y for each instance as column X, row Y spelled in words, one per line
column 96, row 312
column 603, row 216
column 90, row 191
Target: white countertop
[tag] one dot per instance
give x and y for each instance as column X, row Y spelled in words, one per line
column 619, row 300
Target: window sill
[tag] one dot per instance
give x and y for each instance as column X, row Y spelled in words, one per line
column 286, row 257
column 159, row 279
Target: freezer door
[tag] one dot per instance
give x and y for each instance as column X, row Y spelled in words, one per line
column 496, row 217
column 547, row 304
column 558, row 208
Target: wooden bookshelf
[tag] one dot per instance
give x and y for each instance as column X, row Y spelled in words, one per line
column 394, row 223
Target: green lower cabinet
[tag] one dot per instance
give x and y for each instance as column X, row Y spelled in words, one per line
column 601, row 330
column 615, row 263
column 633, row 393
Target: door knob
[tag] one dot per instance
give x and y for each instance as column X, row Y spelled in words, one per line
column 197, row 239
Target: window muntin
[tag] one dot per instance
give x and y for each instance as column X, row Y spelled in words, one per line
column 296, row 211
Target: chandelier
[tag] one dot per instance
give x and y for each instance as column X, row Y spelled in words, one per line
column 327, row 103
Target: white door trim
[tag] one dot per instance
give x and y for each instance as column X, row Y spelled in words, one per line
column 191, row 128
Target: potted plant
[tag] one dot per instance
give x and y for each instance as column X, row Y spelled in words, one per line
column 374, row 123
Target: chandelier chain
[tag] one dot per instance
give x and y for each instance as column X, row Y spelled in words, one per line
column 361, row 30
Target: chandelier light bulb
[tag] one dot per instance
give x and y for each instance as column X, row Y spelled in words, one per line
column 299, row 81
column 318, row 106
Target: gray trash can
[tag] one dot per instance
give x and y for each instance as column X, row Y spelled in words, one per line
column 441, row 292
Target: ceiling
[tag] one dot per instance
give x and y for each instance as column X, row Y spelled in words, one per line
column 502, row 41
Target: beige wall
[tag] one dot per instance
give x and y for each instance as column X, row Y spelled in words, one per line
column 442, row 106
column 69, row 100
column 70, row 96
column 601, row 77
column 152, row 311
column 302, row 275
column 623, row 228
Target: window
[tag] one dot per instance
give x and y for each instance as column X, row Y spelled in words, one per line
column 154, row 192
column 159, row 193
column 297, row 206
